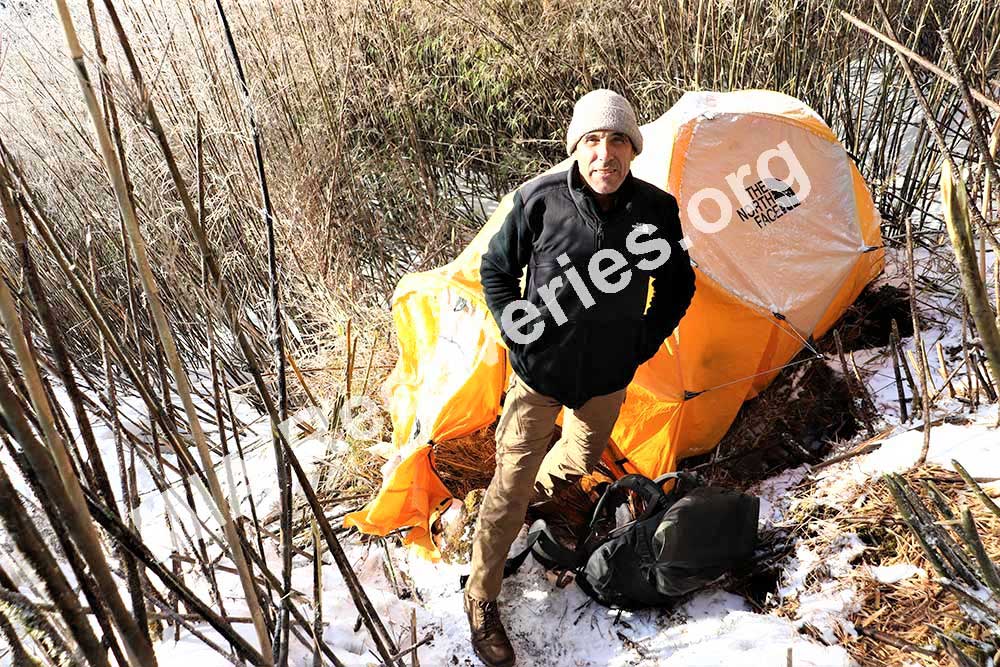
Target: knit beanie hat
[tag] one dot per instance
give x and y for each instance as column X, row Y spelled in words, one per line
column 603, row 109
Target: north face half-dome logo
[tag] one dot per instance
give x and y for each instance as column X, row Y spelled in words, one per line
column 771, row 200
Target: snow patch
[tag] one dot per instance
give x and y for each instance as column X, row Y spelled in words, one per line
column 893, row 574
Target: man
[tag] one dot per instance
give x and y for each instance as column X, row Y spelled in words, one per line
column 591, row 239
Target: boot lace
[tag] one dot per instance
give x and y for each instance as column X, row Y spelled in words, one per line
column 491, row 616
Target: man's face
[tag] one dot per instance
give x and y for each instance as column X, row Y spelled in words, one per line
column 604, row 158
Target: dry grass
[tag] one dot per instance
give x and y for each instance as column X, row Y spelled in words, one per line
column 384, row 126
column 466, row 463
column 910, row 609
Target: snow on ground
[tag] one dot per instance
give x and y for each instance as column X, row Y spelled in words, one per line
column 549, row 626
column 941, row 324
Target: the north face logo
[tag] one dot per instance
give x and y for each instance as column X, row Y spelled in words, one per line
column 771, row 200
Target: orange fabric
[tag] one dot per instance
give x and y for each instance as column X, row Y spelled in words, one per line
column 410, row 497
column 808, row 266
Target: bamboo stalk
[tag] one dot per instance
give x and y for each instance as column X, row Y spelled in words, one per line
column 960, row 231
column 368, row 370
column 971, row 600
column 911, row 519
column 860, row 411
column 163, row 330
column 173, row 599
column 53, row 645
column 379, row 635
column 986, row 566
column 971, row 380
column 349, row 361
column 298, row 616
column 246, row 476
column 918, row 343
column 317, row 572
column 956, row 654
column 975, row 123
column 900, row 394
column 90, row 302
column 277, row 346
column 138, row 549
column 19, row 657
column 978, row 490
column 61, row 482
column 947, row 381
column 940, row 538
column 137, row 578
column 185, row 622
column 914, row 391
column 186, row 484
column 983, row 377
column 943, row 370
column 175, row 110
column 302, row 380
column 895, row 642
column 891, row 41
column 64, row 370
column 931, row 122
column 19, row 425
column 866, row 395
column 32, row 547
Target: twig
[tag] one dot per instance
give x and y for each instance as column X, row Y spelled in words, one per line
column 412, row 649
column 415, row 661
column 860, row 411
column 896, row 642
column 894, row 353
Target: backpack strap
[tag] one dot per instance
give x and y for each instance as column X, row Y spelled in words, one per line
column 644, row 487
column 547, row 550
column 685, row 482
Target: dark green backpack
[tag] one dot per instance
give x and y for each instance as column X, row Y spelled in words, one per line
column 682, row 541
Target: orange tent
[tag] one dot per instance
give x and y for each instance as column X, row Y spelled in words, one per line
column 783, row 234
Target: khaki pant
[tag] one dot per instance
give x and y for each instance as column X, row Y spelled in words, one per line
column 522, row 468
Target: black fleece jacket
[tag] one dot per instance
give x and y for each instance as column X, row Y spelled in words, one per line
column 591, row 330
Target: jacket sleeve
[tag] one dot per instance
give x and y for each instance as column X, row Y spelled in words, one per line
column 504, row 261
column 673, row 289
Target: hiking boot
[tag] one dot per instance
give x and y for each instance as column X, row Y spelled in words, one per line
column 489, row 639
